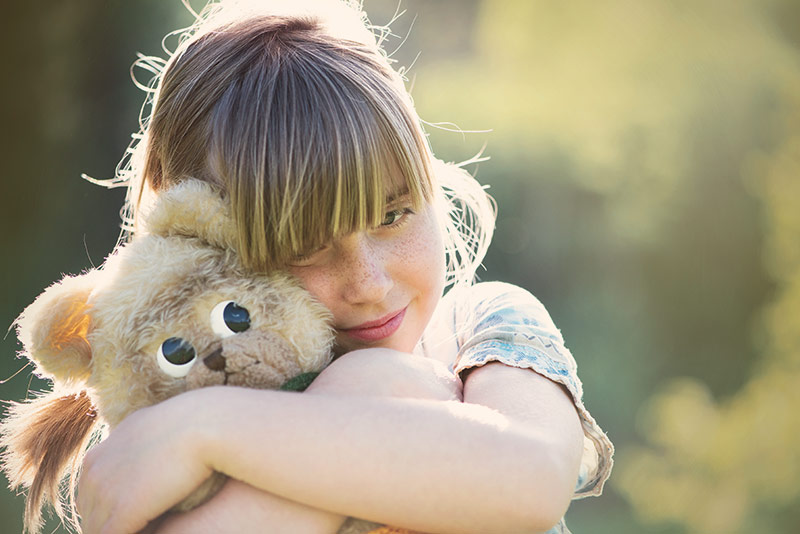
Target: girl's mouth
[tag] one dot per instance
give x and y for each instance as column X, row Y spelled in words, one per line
column 377, row 330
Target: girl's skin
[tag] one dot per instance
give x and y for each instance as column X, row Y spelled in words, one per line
column 381, row 434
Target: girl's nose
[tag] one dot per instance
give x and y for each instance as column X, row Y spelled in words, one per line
column 366, row 278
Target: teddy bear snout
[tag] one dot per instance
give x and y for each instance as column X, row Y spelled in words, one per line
column 215, row 361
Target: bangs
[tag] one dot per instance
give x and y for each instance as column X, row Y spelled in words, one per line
column 334, row 139
column 357, row 156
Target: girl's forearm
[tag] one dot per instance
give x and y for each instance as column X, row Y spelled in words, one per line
column 242, row 508
column 428, row 465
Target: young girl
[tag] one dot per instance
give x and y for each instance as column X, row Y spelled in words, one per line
column 454, row 414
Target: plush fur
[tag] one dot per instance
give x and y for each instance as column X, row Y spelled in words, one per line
column 96, row 336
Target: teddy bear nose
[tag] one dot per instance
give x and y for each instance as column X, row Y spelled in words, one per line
column 215, row 361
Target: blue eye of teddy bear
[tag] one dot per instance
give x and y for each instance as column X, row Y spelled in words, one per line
column 228, row 318
column 175, row 356
column 177, row 351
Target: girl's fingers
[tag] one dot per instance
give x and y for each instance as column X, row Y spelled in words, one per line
column 96, row 494
column 146, row 465
column 89, row 509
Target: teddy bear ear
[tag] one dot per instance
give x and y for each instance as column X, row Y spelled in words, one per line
column 54, row 329
column 191, row 208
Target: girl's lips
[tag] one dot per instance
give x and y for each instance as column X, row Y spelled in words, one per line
column 377, row 330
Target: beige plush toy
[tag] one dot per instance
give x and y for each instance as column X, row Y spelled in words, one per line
column 171, row 311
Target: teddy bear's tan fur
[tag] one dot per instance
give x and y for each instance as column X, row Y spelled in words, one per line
column 97, row 337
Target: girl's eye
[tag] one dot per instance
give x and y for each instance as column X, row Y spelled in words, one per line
column 176, row 356
column 228, row 318
column 395, row 216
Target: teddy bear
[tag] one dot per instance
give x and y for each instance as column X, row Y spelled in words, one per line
column 170, row 311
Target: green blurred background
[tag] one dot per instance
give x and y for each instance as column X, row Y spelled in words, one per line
column 645, row 157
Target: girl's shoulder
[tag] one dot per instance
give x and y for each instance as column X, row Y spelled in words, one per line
column 494, row 304
column 469, row 313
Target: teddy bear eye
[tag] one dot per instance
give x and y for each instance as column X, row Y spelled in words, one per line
column 176, row 356
column 228, row 318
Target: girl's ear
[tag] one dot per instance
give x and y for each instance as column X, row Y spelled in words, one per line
column 54, row 329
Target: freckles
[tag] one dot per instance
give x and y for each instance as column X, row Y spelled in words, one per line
column 423, row 249
column 315, row 282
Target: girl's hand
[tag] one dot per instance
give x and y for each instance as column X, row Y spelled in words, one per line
column 149, row 463
column 383, row 372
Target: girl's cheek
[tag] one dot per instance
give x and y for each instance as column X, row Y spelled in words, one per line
column 425, row 250
column 317, row 282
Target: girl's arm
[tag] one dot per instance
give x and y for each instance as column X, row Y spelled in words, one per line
column 431, row 465
column 241, row 508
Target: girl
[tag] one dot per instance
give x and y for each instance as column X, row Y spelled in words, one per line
column 456, row 414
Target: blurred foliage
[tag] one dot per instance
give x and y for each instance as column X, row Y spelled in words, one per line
column 644, row 156
column 732, row 466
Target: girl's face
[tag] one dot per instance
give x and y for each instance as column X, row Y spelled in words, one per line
column 381, row 284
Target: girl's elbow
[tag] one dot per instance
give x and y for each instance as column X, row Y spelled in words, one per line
column 541, row 516
column 550, row 492
column 538, row 519
column 533, row 509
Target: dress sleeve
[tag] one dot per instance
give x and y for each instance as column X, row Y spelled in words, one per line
column 500, row 322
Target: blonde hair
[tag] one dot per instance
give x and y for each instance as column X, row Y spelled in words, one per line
column 297, row 116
